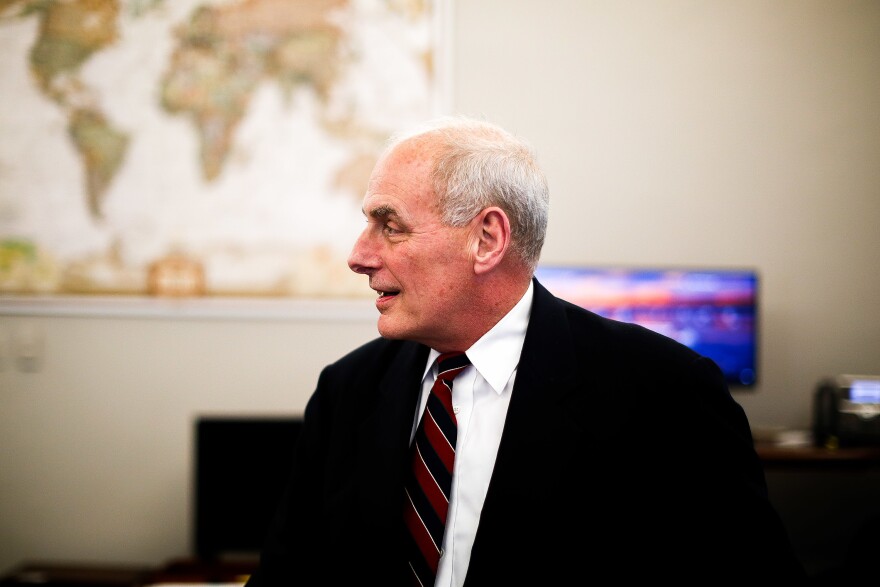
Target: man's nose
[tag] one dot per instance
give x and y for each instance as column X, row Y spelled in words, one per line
column 359, row 260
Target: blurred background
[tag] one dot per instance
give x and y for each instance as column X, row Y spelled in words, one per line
column 697, row 133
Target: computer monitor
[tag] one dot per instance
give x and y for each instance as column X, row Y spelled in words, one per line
column 241, row 467
column 713, row 311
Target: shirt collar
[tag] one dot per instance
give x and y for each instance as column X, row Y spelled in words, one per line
column 496, row 354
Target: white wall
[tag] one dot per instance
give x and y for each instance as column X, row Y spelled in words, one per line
column 700, row 132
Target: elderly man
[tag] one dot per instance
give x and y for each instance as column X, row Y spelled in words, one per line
column 557, row 447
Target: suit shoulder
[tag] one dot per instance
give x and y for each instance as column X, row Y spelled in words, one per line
column 616, row 336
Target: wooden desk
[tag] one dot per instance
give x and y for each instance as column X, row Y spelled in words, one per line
column 775, row 456
column 189, row 570
column 83, row 574
column 75, row 574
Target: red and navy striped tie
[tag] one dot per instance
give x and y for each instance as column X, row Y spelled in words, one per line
column 430, row 480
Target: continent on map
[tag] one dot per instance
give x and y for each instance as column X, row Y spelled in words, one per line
column 101, row 149
column 70, row 32
column 225, row 52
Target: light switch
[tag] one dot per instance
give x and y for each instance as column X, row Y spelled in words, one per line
column 5, row 356
column 27, row 348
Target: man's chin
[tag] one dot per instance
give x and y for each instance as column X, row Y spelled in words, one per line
column 392, row 329
column 386, row 330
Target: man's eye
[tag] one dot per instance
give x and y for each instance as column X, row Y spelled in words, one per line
column 389, row 230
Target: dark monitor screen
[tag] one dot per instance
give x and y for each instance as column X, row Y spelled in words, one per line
column 713, row 311
column 241, row 467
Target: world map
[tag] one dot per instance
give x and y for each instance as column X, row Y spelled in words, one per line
column 232, row 136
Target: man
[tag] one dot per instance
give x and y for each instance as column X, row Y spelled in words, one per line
column 584, row 449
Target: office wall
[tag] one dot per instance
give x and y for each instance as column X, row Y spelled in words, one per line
column 674, row 132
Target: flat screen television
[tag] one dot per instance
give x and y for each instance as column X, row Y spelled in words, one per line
column 713, row 311
column 241, row 468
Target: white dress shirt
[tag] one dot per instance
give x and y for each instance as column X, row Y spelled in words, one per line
column 480, row 397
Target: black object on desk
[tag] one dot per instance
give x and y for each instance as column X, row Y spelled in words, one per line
column 846, row 411
column 241, row 467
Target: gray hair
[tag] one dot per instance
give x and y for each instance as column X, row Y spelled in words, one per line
column 478, row 164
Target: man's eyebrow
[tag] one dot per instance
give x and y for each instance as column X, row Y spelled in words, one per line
column 382, row 211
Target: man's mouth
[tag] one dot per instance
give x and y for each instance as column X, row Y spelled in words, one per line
column 383, row 294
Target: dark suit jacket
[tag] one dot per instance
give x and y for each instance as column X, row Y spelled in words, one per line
column 623, row 456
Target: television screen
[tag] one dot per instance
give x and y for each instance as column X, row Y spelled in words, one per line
column 241, row 467
column 713, row 311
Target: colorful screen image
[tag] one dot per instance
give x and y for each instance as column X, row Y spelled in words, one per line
column 713, row 311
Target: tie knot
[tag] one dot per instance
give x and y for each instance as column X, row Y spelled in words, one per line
column 451, row 364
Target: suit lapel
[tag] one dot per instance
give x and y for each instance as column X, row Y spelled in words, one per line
column 546, row 372
column 402, row 380
column 538, row 427
column 383, row 437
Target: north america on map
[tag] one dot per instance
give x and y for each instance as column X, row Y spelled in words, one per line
column 238, row 134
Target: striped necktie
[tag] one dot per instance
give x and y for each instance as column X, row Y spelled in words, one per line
column 430, row 480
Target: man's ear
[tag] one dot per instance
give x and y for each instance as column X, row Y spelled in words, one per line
column 491, row 239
